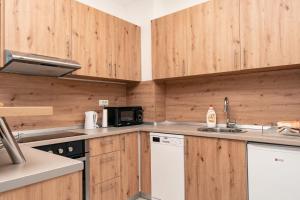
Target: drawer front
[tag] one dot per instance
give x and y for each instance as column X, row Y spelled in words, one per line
column 104, row 145
column 109, row 190
column 104, row 167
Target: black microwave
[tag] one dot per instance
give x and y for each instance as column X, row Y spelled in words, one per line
column 124, row 116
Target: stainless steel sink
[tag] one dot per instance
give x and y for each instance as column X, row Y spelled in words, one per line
column 222, row 130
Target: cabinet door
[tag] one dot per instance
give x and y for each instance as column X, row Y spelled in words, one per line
column 215, row 169
column 91, row 42
column 109, row 190
column 61, row 188
column 213, row 37
column 270, row 33
column 169, row 39
column 38, row 27
column 126, row 64
column 129, row 166
column 104, row 167
column 145, row 163
column 103, row 145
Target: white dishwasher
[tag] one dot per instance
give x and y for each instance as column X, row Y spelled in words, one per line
column 167, row 166
column 273, row 172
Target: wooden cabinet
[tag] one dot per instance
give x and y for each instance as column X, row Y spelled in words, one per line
column 99, row 146
column 169, row 45
column 105, row 168
column 215, row 169
column 108, row 190
column 129, row 166
column 114, row 167
column 213, row 37
column 270, row 33
column 105, row 46
column 37, row 26
column 62, row 188
column 200, row 40
column 145, row 164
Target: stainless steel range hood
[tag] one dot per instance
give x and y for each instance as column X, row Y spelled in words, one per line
column 31, row 64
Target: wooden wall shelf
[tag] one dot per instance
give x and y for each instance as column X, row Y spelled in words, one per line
column 25, row 111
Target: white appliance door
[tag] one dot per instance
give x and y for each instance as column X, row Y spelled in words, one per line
column 273, row 172
column 167, row 167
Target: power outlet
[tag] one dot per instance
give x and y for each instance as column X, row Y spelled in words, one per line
column 103, row 103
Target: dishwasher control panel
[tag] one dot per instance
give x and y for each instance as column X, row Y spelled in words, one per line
column 176, row 140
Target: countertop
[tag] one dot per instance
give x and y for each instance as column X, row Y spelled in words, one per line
column 266, row 136
column 42, row 166
column 39, row 166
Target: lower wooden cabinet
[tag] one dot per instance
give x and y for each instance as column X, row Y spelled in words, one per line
column 62, row 188
column 145, row 164
column 215, row 169
column 108, row 190
column 104, row 167
column 114, row 167
column 129, row 166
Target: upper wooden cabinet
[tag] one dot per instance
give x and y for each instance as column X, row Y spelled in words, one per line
column 270, row 33
column 225, row 36
column 169, row 45
column 213, row 37
column 105, row 46
column 199, row 40
column 37, row 26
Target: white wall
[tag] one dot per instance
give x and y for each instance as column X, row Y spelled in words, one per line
column 141, row 12
column 165, row 7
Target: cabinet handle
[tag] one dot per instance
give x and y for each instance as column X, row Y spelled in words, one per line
column 110, row 70
column 235, row 60
column 115, row 65
column 245, row 58
column 183, row 67
column 108, row 187
column 123, row 143
column 107, row 160
column 106, row 142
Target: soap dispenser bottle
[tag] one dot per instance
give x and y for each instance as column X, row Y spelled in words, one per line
column 211, row 117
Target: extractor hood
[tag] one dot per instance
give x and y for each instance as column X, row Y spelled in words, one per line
column 31, row 64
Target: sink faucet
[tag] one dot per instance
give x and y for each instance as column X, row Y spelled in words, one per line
column 229, row 123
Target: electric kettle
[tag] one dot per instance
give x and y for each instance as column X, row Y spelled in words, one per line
column 91, row 118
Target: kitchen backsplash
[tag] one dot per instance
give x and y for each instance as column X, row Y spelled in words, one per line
column 70, row 99
column 255, row 98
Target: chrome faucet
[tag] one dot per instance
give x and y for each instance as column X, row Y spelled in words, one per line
column 229, row 123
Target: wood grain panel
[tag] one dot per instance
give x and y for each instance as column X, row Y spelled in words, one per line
column 108, row 190
column 25, row 111
column 65, row 187
column 91, row 41
column 151, row 96
column 215, row 169
column 169, row 45
column 103, row 145
column 145, row 163
column 61, row 188
column 129, row 166
column 104, row 167
column 257, row 98
column 38, row 27
column 213, row 37
column 70, row 99
column 270, row 33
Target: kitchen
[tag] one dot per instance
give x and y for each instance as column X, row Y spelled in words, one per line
column 160, row 100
